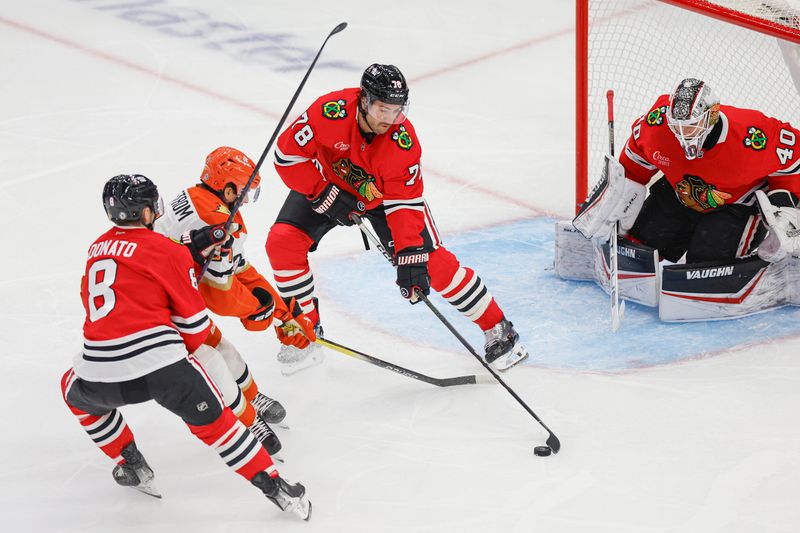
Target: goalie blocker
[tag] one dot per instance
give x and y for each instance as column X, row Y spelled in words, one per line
column 699, row 291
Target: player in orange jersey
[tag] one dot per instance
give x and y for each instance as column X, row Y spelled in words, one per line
column 233, row 287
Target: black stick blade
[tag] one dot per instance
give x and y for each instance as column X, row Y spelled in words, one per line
column 554, row 443
column 339, row 28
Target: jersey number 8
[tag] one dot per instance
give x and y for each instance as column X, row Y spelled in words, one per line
column 101, row 289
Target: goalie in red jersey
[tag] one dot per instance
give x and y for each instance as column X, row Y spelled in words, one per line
column 355, row 151
column 720, row 164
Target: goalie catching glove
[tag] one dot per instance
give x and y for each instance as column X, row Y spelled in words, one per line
column 783, row 219
column 614, row 198
column 297, row 329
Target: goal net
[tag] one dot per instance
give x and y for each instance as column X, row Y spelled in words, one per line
column 744, row 49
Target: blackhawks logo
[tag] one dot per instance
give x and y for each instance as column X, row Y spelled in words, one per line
column 402, row 138
column 334, row 109
column 357, row 178
column 756, row 139
column 656, row 116
column 696, row 194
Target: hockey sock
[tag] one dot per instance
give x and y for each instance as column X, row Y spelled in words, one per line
column 109, row 431
column 463, row 289
column 240, row 450
column 298, row 284
column 287, row 250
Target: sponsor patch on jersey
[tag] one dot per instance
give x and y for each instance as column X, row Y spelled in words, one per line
column 661, row 158
column 696, row 194
column 656, row 116
column 357, row 178
column 334, row 109
column 403, row 138
column 756, row 138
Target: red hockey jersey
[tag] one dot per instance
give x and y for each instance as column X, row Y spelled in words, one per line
column 143, row 309
column 753, row 152
column 325, row 145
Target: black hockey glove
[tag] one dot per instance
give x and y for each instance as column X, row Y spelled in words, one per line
column 412, row 272
column 262, row 318
column 202, row 242
column 337, row 205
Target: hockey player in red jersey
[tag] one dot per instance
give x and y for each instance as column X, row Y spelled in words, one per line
column 355, row 151
column 144, row 318
column 232, row 286
column 716, row 160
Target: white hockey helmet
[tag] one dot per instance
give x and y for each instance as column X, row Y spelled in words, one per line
column 693, row 110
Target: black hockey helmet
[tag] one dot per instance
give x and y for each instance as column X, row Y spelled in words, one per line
column 125, row 196
column 385, row 83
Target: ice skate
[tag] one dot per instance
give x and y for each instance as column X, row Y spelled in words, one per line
column 294, row 359
column 264, row 434
column 290, row 498
column 503, row 349
column 271, row 411
column 135, row 472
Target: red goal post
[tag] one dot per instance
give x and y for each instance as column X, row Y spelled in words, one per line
column 746, row 50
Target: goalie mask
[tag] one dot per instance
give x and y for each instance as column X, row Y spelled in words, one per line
column 693, row 111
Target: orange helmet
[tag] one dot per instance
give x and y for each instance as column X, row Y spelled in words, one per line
column 228, row 165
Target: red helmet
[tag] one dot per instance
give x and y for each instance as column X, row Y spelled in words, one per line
column 228, row 165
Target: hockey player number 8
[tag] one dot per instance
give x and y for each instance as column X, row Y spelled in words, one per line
column 101, row 289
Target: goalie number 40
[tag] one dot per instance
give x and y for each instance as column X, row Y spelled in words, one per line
column 787, row 138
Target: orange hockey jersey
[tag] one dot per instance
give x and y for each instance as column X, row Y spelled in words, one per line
column 228, row 282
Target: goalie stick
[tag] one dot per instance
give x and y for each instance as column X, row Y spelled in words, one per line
column 617, row 306
column 552, row 440
column 243, row 194
column 439, row 382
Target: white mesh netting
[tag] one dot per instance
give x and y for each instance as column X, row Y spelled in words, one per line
column 643, row 48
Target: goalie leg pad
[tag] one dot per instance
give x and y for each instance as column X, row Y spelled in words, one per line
column 574, row 254
column 722, row 289
column 638, row 267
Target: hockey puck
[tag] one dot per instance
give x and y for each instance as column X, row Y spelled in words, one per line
column 542, row 451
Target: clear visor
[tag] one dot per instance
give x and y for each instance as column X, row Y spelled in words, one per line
column 253, row 194
column 159, row 207
column 384, row 112
column 691, row 133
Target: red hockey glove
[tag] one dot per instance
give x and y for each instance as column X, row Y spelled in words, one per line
column 412, row 272
column 262, row 318
column 204, row 242
column 337, row 205
column 297, row 329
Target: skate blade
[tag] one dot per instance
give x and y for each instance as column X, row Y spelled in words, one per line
column 149, row 489
column 302, row 509
column 518, row 354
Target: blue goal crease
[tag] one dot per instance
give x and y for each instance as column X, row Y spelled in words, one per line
column 565, row 324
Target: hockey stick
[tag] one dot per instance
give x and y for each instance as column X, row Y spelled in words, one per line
column 243, row 194
column 439, row 382
column 617, row 306
column 552, row 440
